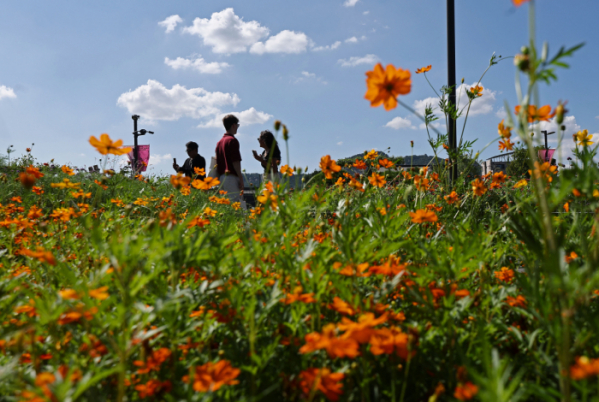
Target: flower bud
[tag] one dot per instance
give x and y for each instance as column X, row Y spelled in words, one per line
column 524, row 50
column 522, row 62
column 560, row 111
column 462, row 80
column 285, row 133
column 412, row 144
column 277, row 125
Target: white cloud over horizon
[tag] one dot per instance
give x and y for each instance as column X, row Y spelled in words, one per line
column 356, row 61
column 283, row 42
column 170, row 23
column 480, row 105
column 156, row 102
column 198, row 64
column 6, row 92
column 400, row 123
column 246, row 118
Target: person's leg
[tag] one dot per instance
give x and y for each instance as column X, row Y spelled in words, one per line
column 230, row 184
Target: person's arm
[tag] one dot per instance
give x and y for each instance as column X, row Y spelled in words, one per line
column 275, row 166
column 237, row 166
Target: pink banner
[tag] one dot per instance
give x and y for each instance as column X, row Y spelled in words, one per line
column 144, row 156
column 546, row 155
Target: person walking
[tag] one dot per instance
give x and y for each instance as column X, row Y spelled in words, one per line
column 228, row 160
column 195, row 160
column 270, row 156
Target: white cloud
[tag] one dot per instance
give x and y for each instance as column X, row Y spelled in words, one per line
column 353, row 39
column 225, row 32
column 199, row 64
column 501, row 113
column 480, row 105
column 307, row 74
column 170, row 23
column 340, row 143
column 246, row 118
column 420, row 105
column 327, row 47
column 6, row 92
column 366, row 12
column 156, row 102
column 283, row 42
column 156, row 159
column 350, row 3
column 355, row 61
column 399, row 123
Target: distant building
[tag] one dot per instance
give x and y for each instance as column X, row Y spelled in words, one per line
column 498, row 163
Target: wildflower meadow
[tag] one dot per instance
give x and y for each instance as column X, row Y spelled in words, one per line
column 373, row 282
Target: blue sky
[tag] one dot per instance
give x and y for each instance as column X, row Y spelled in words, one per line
column 72, row 69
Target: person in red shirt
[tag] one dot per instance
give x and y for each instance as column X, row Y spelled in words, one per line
column 228, row 160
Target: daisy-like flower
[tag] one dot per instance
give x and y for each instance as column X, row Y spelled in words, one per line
column 106, row 146
column 424, row 69
column 583, row 138
column 385, row 85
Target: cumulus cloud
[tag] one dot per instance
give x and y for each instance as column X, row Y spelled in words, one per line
column 198, row 64
column 226, row 32
column 6, row 92
column 305, row 75
column 353, row 39
column 283, row 42
column 340, row 143
column 246, row 118
column 501, row 113
column 480, row 105
column 327, row 47
column 156, row 159
column 156, row 102
column 366, row 12
column 399, row 122
column 170, row 23
column 356, row 61
column 350, row 3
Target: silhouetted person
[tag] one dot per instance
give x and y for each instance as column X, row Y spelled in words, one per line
column 195, row 160
column 271, row 154
column 228, row 160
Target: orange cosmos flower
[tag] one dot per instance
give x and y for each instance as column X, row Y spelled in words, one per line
column 478, row 187
column 518, row 3
column 106, row 146
column 518, row 301
column 384, row 86
column 465, row 392
column 584, row 368
column 212, row 376
column 504, row 131
column 329, row 166
column 356, row 184
column 359, row 164
column 542, row 114
column 68, row 294
column 41, row 255
column 506, row 145
column 34, row 213
column 423, row 215
column 341, row 306
column 362, row 330
column 386, row 163
column 476, row 91
column 297, row 295
column 499, row 177
column 67, row 170
column 424, row 69
column 505, row 274
column 179, row 181
column 330, row 384
column 198, row 221
column 571, row 257
column 99, row 293
column 390, row 340
column 335, row 346
column 206, row 184
column 368, row 155
column 377, row 180
column 452, row 198
column 199, row 171
column 286, row 171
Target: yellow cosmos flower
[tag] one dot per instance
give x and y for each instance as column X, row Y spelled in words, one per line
column 583, row 138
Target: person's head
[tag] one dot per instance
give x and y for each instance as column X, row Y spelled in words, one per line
column 266, row 140
column 192, row 148
column 231, row 123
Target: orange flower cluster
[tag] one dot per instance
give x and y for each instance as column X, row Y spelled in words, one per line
column 30, row 176
column 465, row 392
column 505, row 274
column 533, row 114
column 323, row 380
column 297, row 295
column 40, row 254
column 179, row 181
column 212, row 376
column 206, row 184
column 584, row 368
column 423, row 216
column 153, row 361
column 377, row 180
column 545, row 171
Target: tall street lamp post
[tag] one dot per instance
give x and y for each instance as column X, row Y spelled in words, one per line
column 452, row 85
